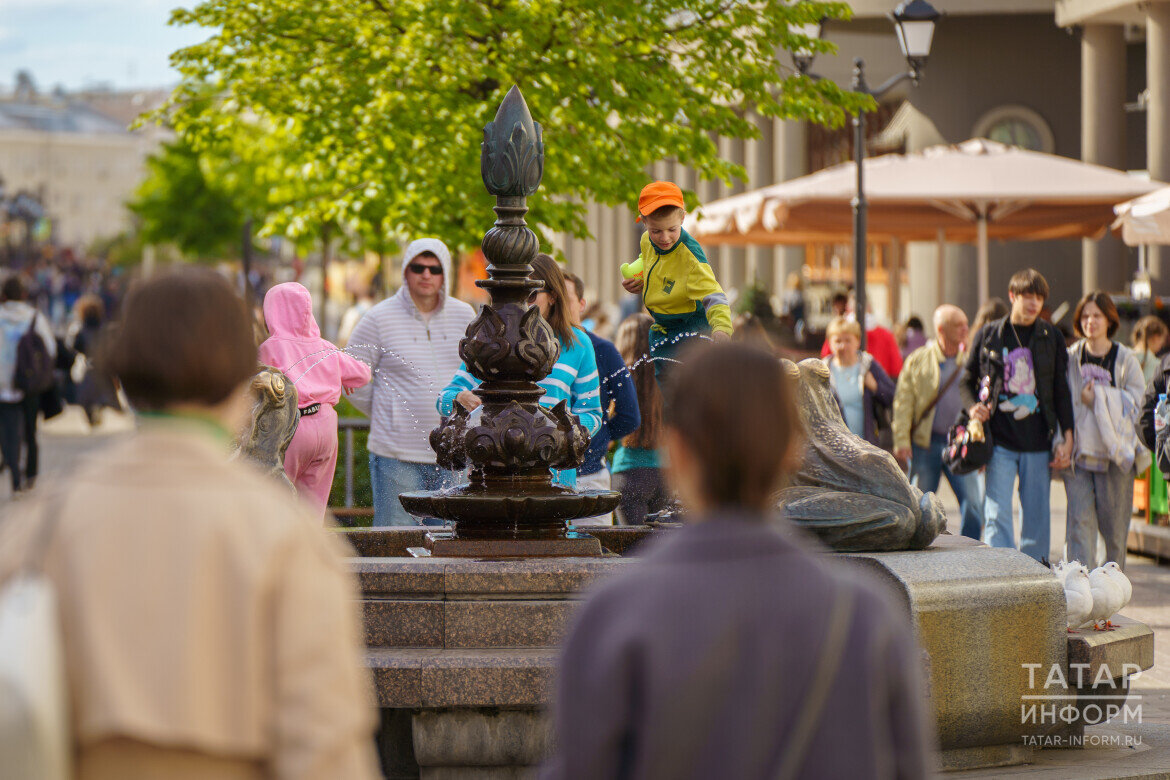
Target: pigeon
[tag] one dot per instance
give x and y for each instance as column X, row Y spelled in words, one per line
column 1107, row 598
column 1078, row 594
column 1117, row 575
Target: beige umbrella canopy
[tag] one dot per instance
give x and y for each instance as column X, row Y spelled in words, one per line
column 1145, row 220
column 970, row 192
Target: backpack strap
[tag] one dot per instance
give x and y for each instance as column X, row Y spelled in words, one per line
column 808, row 716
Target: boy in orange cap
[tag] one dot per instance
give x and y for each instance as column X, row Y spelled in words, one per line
column 677, row 284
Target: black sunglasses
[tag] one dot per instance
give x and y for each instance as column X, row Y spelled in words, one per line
column 419, row 268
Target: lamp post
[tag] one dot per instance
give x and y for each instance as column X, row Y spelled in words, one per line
column 914, row 21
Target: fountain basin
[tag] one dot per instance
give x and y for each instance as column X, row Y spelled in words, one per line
column 464, row 651
column 474, row 508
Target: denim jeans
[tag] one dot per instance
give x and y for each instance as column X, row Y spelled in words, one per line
column 926, row 469
column 1036, row 521
column 390, row 477
column 1098, row 501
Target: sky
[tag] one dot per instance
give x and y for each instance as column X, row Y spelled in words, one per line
column 83, row 43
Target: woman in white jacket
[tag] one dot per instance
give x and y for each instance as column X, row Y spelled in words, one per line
column 1107, row 384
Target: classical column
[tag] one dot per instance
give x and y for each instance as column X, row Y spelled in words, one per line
column 1158, row 118
column 759, row 164
column 789, row 160
column 721, row 256
column 1103, row 139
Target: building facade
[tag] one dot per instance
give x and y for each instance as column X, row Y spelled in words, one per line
column 82, row 163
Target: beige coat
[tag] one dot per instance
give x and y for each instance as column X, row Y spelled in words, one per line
column 917, row 388
column 208, row 619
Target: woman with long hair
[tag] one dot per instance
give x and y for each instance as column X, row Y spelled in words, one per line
column 1107, row 385
column 94, row 387
column 574, row 377
column 637, row 470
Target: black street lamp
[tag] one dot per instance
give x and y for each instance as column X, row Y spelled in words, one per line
column 914, row 21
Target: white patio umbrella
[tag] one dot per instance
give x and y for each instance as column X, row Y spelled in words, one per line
column 969, row 192
column 1145, row 220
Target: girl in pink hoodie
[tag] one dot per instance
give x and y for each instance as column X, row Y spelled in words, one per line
column 320, row 372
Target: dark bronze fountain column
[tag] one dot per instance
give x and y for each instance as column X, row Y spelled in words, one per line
column 511, row 507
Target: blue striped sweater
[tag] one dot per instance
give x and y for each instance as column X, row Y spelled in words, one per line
column 574, row 379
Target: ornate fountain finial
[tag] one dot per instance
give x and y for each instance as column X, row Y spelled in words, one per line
column 511, row 507
column 512, row 157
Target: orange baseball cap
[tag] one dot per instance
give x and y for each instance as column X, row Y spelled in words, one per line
column 657, row 194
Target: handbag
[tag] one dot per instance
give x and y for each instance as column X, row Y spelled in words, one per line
column 968, row 447
column 52, row 403
column 35, row 738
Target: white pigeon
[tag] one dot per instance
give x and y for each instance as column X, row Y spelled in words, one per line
column 1117, row 575
column 1078, row 594
column 1107, row 598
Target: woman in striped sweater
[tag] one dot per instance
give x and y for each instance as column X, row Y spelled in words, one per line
column 574, row 377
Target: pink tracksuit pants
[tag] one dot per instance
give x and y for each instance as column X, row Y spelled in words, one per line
column 311, row 458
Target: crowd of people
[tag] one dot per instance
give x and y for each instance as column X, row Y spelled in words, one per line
column 1051, row 405
column 246, row 659
column 68, row 302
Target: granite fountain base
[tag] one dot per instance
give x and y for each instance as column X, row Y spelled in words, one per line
column 463, row 651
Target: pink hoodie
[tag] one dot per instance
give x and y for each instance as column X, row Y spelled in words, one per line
column 318, row 370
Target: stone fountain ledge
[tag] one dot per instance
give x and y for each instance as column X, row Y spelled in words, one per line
column 465, row 650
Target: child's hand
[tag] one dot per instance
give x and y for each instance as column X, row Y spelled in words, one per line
column 720, row 335
column 469, row 400
column 633, row 285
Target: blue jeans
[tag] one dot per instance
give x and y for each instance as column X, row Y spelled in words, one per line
column 926, row 469
column 1036, row 520
column 390, row 477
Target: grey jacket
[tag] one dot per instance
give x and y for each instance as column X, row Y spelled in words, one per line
column 1093, row 433
column 696, row 661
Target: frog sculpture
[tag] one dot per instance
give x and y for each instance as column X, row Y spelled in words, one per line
column 849, row 493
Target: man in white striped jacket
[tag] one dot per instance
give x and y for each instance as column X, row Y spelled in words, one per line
column 411, row 341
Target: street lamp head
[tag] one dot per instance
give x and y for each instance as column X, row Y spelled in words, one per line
column 803, row 57
column 915, row 21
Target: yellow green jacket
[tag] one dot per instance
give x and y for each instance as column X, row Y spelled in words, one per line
column 678, row 284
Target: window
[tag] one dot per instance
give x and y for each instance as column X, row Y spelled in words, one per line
column 1016, row 126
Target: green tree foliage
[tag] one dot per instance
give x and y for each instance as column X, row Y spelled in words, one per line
column 371, row 111
column 180, row 203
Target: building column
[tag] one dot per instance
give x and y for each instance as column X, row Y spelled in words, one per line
column 1103, row 140
column 1158, row 120
column 722, row 259
column 789, row 160
column 758, row 161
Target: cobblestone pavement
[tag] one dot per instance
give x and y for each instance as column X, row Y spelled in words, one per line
column 68, row 438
